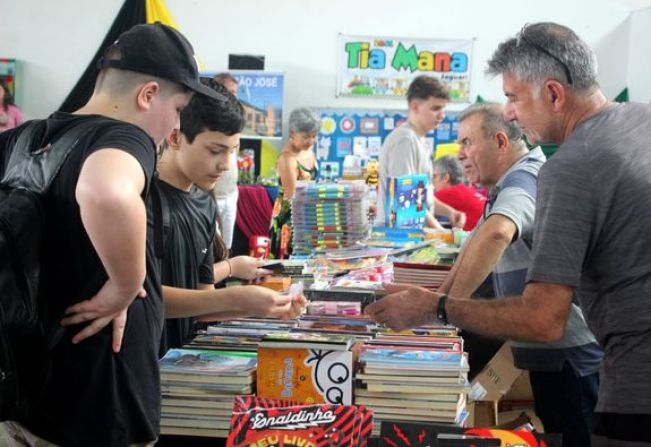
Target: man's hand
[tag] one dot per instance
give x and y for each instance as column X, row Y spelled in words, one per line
column 110, row 304
column 404, row 307
column 457, row 219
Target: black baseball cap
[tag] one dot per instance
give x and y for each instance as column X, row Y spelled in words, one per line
column 158, row 50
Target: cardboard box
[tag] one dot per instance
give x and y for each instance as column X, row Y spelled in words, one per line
column 482, row 414
column 520, row 390
column 497, row 377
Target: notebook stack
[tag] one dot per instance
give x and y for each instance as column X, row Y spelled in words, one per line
column 328, row 216
column 423, row 275
column 242, row 334
column 198, row 387
column 414, row 377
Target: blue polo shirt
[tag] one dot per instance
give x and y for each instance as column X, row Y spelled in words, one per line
column 514, row 197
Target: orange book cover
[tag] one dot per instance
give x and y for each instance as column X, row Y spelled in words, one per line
column 277, row 283
column 306, row 375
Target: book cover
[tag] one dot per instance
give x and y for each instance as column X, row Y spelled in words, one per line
column 406, row 201
column 308, row 340
column 393, row 387
column 306, row 375
column 402, row 356
column 205, row 361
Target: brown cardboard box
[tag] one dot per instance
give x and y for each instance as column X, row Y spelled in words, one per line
column 497, row 377
column 482, row 414
column 520, row 390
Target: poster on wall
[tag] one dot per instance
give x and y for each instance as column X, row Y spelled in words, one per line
column 360, row 133
column 261, row 94
column 384, row 66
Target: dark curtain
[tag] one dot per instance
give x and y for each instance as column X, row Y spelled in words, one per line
column 132, row 13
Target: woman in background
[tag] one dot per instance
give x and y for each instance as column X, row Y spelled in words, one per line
column 296, row 161
column 10, row 114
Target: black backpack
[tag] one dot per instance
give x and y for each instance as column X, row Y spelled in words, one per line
column 30, row 171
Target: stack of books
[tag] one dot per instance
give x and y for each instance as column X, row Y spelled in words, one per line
column 242, row 334
column 328, row 216
column 414, row 378
column 198, row 387
column 423, row 275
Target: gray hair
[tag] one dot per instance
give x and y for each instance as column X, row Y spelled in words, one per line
column 546, row 50
column 303, row 120
column 493, row 121
column 451, row 166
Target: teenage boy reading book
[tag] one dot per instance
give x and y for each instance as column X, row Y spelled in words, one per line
column 194, row 158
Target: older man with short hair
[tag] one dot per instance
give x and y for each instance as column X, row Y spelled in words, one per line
column 591, row 239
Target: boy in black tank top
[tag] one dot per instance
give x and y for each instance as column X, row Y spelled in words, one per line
column 102, row 386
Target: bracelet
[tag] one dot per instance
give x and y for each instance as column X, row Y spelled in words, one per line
column 441, row 314
column 230, row 268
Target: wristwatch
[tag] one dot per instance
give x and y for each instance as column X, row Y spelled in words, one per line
column 441, row 314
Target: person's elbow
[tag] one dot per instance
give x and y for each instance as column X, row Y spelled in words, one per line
column 548, row 331
column 501, row 236
column 546, row 326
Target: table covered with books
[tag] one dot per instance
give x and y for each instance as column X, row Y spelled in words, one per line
column 332, row 377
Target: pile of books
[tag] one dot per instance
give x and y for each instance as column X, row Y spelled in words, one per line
column 328, row 215
column 198, row 387
column 423, row 275
column 422, row 376
column 242, row 334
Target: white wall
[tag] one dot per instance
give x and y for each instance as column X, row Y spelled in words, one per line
column 639, row 67
column 57, row 39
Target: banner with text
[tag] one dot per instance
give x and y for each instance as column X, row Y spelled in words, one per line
column 261, row 94
column 384, row 66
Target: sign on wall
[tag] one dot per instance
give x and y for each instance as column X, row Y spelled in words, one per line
column 261, row 94
column 362, row 132
column 384, row 66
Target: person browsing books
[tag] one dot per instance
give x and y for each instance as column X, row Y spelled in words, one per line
column 447, row 178
column 564, row 375
column 101, row 386
column 195, row 157
column 296, row 162
column 590, row 244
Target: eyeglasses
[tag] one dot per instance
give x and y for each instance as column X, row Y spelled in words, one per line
column 521, row 37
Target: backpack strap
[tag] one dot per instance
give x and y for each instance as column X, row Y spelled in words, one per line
column 34, row 166
column 162, row 219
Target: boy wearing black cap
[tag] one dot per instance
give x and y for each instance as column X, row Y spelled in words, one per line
column 104, row 390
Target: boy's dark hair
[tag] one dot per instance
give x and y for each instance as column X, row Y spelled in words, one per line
column 208, row 114
column 424, row 87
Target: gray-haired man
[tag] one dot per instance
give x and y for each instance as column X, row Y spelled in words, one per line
column 591, row 238
column 564, row 375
